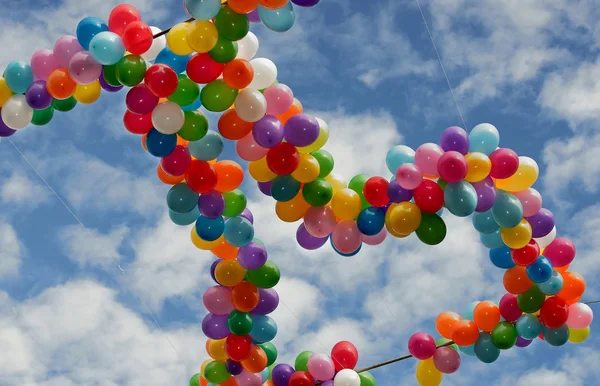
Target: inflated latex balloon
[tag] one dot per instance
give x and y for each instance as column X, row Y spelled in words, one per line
column 158, row 44
column 18, row 76
column 37, row 96
column 137, row 37
column 427, row 374
column 177, row 39
column 16, row 113
column 88, row 93
column 107, row 48
column 168, row 117
column 64, row 49
column 43, row 62
column 250, row 105
column 265, row 73
column 84, row 69
column 247, row 47
column 484, row 138
column 121, row 16
column 88, row 28
column 202, row 9
column 202, row 36
column 280, row 19
column 525, row 176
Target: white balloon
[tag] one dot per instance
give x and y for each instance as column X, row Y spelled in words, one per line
column 250, row 105
column 247, row 46
column 16, row 113
column 543, row 242
column 157, row 45
column 168, row 117
column 265, row 73
column 346, row 377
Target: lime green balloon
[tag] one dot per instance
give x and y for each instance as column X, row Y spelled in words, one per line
column 325, row 160
column 231, row 25
column 194, row 127
column 110, row 75
column 186, row 92
column 266, row 276
column 218, row 96
column 42, row 117
column 271, row 351
column 357, row 183
column 235, row 203
column 432, row 230
column 301, row 363
column 532, row 300
column 216, row 372
column 225, row 50
column 504, row 335
column 240, row 323
column 64, row 105
column 317, row 193
column 366, row 379
column 442, row 341
column 131, row 70
column 195, row 380
column 271, row 371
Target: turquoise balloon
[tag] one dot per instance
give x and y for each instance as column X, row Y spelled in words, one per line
column 484, row 138
column 107, row 48
column 485, row 350
column 528, row 326
column 460, row 198
column 88, row 28
column 470, row 310
column 210, row 229
column 194, row 106
column 203, row 9
column 264, row 329
column 278, row 20
column 208, row 147
column 182, row 199
column 484, row 222
column 501, row 257
column 239, row 232
column 553, row 285
column 467, row 350
column 18, row 76
column 184, row 219
column 556, row 336
column 492, row 240
column 284, row 188
column 399, row 155
column 265, row 374
column 507, row 210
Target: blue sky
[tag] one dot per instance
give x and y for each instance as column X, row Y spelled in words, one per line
column 69, row 316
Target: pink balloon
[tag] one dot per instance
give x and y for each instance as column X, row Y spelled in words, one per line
column 321, row 367
column 560, row 252
column 452, row 167
column 409, row 176
column 580, row 316
column 246, row 378
column 83, row 69
column 509, row 308
column 217, row 300
column 319, row 222
column 43, row 62
column 65, row 48
column 346, row 237
column 140, row 100
column 427, row 157
column 249, row 150
column 531, row 200
column 421, row 345
column 376, row 239
column 178, row 162
column 446, row 360
column 279, row 99
column 505, row 163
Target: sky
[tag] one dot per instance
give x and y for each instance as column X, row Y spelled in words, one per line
column 69, row 316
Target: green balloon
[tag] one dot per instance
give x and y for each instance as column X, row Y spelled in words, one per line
column 217, row 96
column 442, row 183
column 195, row 380
column 231, row 25
column 301, row 363
column 531, row 300
column 266, row 276
column 216, row 372
column 194, row 127
column 271, row 351
column 64, row 105
column 504, row 335
column 325, row 160
column 432, row 229
column 235, row 203
column 442, row 341
column 225, row 51
column 186, row 92
column 258, row 241
column 271, row 371
column 131, row 70
column 366, row 379
column 284, row 188
column 110, row 75
column 42, row 117
column 317, row 193
column 357, row 183
column 240, row 323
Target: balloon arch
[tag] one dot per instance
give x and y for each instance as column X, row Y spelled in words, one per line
column 466, row 173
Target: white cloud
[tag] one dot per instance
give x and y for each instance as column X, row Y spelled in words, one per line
column 11, row 250
column 93, row 248
column 19, row 190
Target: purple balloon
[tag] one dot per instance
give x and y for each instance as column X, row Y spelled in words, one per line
column 5, row 131
column 486, row 194
column 281, row 374
column 265, row 187
column 386, row 207
column 211, row 204
column 252, row 256
column 522, row 342
column 542, row 223
column 268, row 131
column 306, row 3
column 253, row 16
column 212, row 270
column 233, row 367
column 37, row 96
column 301, row 130
column 308, row 241
column 247, row 215
column 267, row 303
column 327, row 383
column 215, row 326
column 455, row 138
column 107, row 86
column 397, row 193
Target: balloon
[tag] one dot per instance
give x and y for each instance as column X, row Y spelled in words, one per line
column 346, row 377
column 295, row 108
column 528, row 326
column 460, row 198
column 446, row 360
column 484, row 222
column 578, row 336
column 308, row 3
column 301, row 378
column 201, row 176
column 224, row 51
column 42, row 117
column 18, row 76
column 67, row 46
column 432, row 229
column 271, row 352
column 281, row 374
column 516, row 280
column 427, row 157
column 168, row 117
column 249, row 150
column 301, row 363
column 238, row 73
column 509, row 308
column 248, row 47
column 137, row 37
column 215, row 326
column 64, row 105
column 580, row 316
column 279, row 98
column 43, row 62
column 553, row 285
column 455, row 139
column 531, row 201
column 320, row 366
column 217, row 96
column 531, row 300
column 140, row 100
column 106, row 48
column 177, row 63
column 526, row 255
column 131, row 70
column 257, row 361
column 524, row 178
column 278, row 20
column 504, row 335
column 556, row 336
column 505, row 163
column 518, row 236
column 543, row 242
column 427, row 374
column 507, row 210
column 16, row 113
column 202, row 9
column 523, row 342
column 485, row 349
column 211, row 204
column 492, row 240
column 60, row 85
column 429, row 196
column 88, row 93
column 250, row 105
column 264, row 329
column 484, row 138
column 486, row 315
column 231, row 25
column 232, row 127
column 202, row 36
column 181, row 199
column 238, row 231
column 486, row 194
column 158, row 44
column 301, row 130
column 560, row 252
column 540, row 271
column 409, row 176
column 217, row 300
column 229, row 273
column 186, row 93
column 398, row 194
column 478, row 167
column 399, row 155
column 445, row 322
column 207, row 148
column 501, row 258
column 229, row 176
column 344, row 355
column 243, row 6
column 245, row 296
column 573, row 288
column 542, row 223
column 121, row 16
column 266, row 276
column 37, row 96
column 284, row 188
column 554, row 313
column 370, row 221
column 465, row 332
column 422, row 346
column 177, row 39
column 346, row 237
column 252, row 256
column 265, row 73
column 178, row 162
column 235, row 203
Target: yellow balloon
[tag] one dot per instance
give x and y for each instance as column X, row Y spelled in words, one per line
column 259, row 170
column 293, row 210
column 346, row 204
column 204, row 364
column 229, row 273
column 5, row 92
column 336, row 181
column 479, row 167
column 87, row 93
column 203, row 244
column 526, row 175
column 177, row 39
column 202, row 36
column 427, row 374
column 320, row 141
column 578, row 336
column 216, row 350
column 389, row 228
column 405, row 218
column 517, row 237
column 307, row 170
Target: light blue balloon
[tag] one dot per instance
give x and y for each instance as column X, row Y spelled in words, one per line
column 528, row 326
column 460, row 198
column 399, row 155
column 553, row 285
column 485, row 350
column 556, row 336
column 265, row 374
column 467, row 350
column 540, row 271
column 203, row 9
column 440, row 212
column 88, row 28
column 194, row 106
column 484, row 138
column 492, row 240
column 184, row 219
column 239, row 232
column 501, row 257
column 484, row 222
column 107, row 48
column 182, row 199
column 507, row 209
column 264, row 329
column 208, row 147
column 470, row 310
column 278, row 20
column 177, row 62
column 18, row 76
column 210, row 229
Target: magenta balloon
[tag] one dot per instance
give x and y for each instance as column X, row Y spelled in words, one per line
column 319, row 221
column 409, row 176
column 446, row 360
column 140, row 100
column 65, row 48
column 560, row 252
column 421, row 345
column 43, row 62
column 217, row 300
column 346, row 237
column 84, row 69
column 452, row 167
column 509, row 308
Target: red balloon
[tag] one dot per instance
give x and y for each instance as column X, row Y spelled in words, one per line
column 527, row 255
column 137, row 37
column 140, row 100
column 201, row 176
column 178, row 162
column 344, row 355
column 452, row 166
column 161, row 80
column 202, row 69
column 554, row 313
column 283, row 159
column 121, row 16
column 375, row 191
column 238, row 348
column 505, row 163
column 429, row 196
column 137, row 124
column 301, row 378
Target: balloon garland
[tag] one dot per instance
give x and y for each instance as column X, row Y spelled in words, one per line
column 466, row 173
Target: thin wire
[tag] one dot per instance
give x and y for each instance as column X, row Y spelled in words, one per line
column 161, row 33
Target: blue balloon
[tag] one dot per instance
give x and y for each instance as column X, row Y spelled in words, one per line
column 107, row 48
column 88, row 28
column 159, row 144
column 238, row 232
column 507, row 210
column 467, row 350
column 556, row 336
column 501, row 257
column 265, row 374
column 182, row 199
column 440, row 212
column 399, row 155
column 460, row 198
column 484, row 138
column 264, row 329
column 470, row 310
column 485, row 350
column 528, row 326
column 284, row 188
column 370, row 221
column 345, row 254
column 484, row 222
column 492, row 240
column 210, row 229
column 184, row 219
column 278, row 20
column 208, row 147
column 203, row 9
column 18, row 76
column 540, row 271
column 194, row 106
column 553, row 285
column 176, row 62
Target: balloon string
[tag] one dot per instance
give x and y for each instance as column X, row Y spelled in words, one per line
column 191, row 19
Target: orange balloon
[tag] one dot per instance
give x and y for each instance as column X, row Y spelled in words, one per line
column 293, row 210
column 238, row 74
column 562, row 269
column 229, row 273
column 516, row 280
column 229, row 382
column 486, row 315
column 245, row 297
column 573, row 287
column 203, row 381
column 268, row 383
column 182, row 142
column 465, row 332
column 257, row 361
column 243, row 6
column 207, row 345
column 295, row 109
column 167, row 179
column 445, row 322
column 229, row 176
column 60, row 85
column 225, row 250
column 232, row 127
column 273, row 4
column 144, row 136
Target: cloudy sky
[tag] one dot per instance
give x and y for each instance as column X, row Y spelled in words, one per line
column 69, row 316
